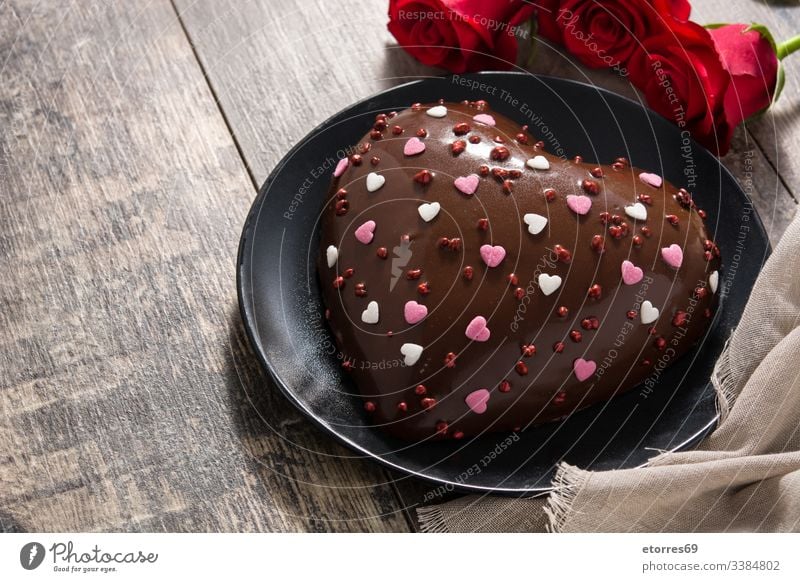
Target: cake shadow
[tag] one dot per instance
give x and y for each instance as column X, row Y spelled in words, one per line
column 294, row 467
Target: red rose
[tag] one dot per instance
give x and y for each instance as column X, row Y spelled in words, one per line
column 682, row 78
column 750, row 59
column 459, row 35
column 606, row 34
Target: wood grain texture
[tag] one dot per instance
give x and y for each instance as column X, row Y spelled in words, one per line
column 129, row 398
column 278, row 74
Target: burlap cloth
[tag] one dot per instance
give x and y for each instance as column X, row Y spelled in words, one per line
column 744, row 477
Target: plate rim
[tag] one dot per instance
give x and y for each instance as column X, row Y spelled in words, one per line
column 248, row 321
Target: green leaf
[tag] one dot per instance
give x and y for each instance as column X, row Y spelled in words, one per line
column 534, row 40
column 779, row 83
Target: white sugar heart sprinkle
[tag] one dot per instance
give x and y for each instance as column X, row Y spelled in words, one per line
column 637, row 211
column 438, row 111
column 648, row 313
column 374, row 181
column 332, row 254
column 411, row 353
column 429, row 211
column 370, row 315
column 535, row 222
column 549, row 283
column 538, row 163
column 713, row 281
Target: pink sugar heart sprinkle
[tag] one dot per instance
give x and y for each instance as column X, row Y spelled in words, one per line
column 341, row 167
column 485, row 119
column 414, row 312
column 366, row 232
column 493, row 255
column 467, row 184
column 631, row 274
column 477, row 330
column 653, row 180
column 673, row 255
column 579, row 204
column 478, row 400
column 583, row 368
column 413, row 147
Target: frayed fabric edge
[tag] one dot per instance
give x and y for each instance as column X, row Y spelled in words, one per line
column 567, row 483
column 723, row 382
column 431, row 520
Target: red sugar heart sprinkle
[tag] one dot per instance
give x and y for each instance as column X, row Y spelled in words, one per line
column 461, row 128
column 590, row 187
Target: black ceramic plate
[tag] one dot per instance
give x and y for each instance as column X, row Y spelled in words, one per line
column 280, row 303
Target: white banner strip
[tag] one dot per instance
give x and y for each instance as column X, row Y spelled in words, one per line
column 399, row 557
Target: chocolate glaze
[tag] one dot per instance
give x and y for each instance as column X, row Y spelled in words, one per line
column 544, row 387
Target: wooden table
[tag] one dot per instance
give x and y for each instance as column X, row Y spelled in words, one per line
column 134, row 137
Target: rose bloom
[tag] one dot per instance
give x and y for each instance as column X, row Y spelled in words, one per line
column 459, row 35
column 681, row 75
column 606, row 34
column 752, row 64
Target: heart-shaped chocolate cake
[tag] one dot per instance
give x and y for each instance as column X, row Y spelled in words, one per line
column 475, row 282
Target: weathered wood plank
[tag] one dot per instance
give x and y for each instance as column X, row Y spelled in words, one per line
column 129, row 398
column 278, row 74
